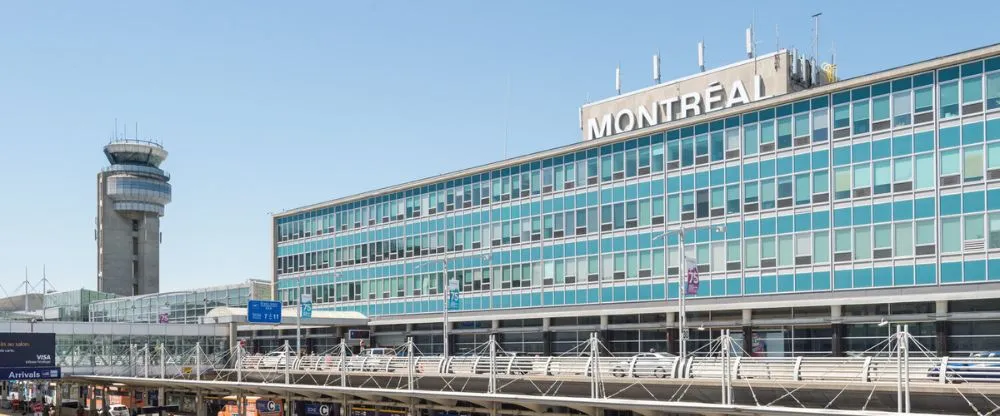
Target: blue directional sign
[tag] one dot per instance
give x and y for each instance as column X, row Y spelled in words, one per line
column 264, row 312
column 306, row 306
column 30, row 373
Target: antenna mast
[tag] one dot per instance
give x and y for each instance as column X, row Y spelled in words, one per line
column 656, row 67
column 618, row 79
column 701, row 56
column 815, row 18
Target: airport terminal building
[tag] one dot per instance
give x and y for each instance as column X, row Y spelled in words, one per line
column 845, row 204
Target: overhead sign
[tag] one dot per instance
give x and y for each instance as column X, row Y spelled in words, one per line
column 676, row 107
column 361, row 334
column 27, row 349
column 306, row 305
column 264, row 312
column 30, row 373
column 320, row 409
column 268, row 408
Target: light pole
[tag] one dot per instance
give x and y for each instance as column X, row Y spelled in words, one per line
column 446, row 292
column 682, row 286
column 298, row 316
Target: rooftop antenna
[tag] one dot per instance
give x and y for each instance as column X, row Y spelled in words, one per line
column 777, row 47
column 116, row 128
column 749, row 42
column 618, row 79
column 656, row 67
column 701, row 55
column 815, row 18
column 26, row 287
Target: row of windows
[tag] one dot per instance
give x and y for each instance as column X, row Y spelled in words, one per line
column 895, row 100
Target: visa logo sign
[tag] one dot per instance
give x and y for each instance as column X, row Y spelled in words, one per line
column 43, row 357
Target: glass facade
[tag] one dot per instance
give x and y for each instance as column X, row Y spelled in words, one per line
column 882, row 185
column 181, row 307
column 72, row 305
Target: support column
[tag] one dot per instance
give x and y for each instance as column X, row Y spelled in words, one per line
column 546, row 337
column 747, row 323
column 672, row 334
column 942, row 327
column 604, row 335
column 837, row 331
column 199, row 402
column 233, row 338
column 92, row 399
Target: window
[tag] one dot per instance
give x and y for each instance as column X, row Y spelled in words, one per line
column 767, row 248
column 903, row 170
column 974, row 227
column 821, row 247
column 842, row 182
column 733, row 199
column 750, row 192
column 880, row 108
column 994, row 230
column 784, row 187
column 135, row 225
column 752, row 252
column 923, row 166
column 750, row 139
column 786, row 255
column 883, row 236
column 842, row 241
column 784, row 132
column 860, row 115
column 972, row 164
column 687, row 152
column 862, row 243
column 862, row 175
column 767, row 132
column 924, row 233
column 801, row 125
column 701, row 145
column 993, row 90
column 821, row 125
column 951, row 235
column 901, row 109
column 842, row 116
column 657, row 159
column 904, row 239
column 802, row 195
column 821, row 182
column 767, row 194
column 949, row 162
column 949, row 99
column 923, row 100
column 883, row 177
column 972, row 89
column 993, row 156
column 718, row 146
column 733, row 251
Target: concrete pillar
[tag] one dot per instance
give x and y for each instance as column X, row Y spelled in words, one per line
column 233, row 338
column 748, row 339
column 546, row 337
column 942, row 332
column 161, row 396
column 92, row 399
column 199, row 403
column 836, row 330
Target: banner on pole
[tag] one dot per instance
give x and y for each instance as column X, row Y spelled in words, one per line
column 693, row 280
column 307, row 305
column 452, row 295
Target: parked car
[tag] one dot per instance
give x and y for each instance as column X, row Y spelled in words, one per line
column 647, row 364
column 957, row 372
column 118, row 410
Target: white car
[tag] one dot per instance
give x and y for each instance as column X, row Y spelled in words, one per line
column 118, row 410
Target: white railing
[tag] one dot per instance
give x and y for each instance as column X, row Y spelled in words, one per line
column 808, row 369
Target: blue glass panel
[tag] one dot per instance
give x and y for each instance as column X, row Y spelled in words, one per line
column 882, row 213
column 902, row 145
column 902, row 210
column 631, row 293
column 951, row 204
column 820, row 159
column 972, row 133
column 881, row 149
column 861, row 152
column 862, row 215
column 993, row 129
column 975, row 270
column 903, row 276
column 733, row 286
column 923, row 208
column 841, row 217
column 821, row 220
column 786, row 283
column 994, row 269
column 751, row 228
column 841, row 156
column 768, row 284
column 883, row 277
column 607, row 295
column 923, row 142
column 803, row 282
column 733, row 174
column 951, row 272
column 646, row 292
column 751, row 285
column 785, row 224
column 862, row 278
column 718, row 287
column 993, row 199
column 657, row 291
column 842, row 279
column 673, row 290
column 548, row 298
column 949, row 137
column 973, row 202
column 802, row 222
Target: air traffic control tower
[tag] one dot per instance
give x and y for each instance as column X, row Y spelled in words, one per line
column 131, row 195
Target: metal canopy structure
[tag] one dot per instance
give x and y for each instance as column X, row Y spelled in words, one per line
column 320, row 318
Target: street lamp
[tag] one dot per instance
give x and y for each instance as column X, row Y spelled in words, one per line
column 682, row 286
column 450, row 290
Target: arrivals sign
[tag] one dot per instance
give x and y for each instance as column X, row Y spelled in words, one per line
column 30, row 373
column 27, row 350
column 714, row 97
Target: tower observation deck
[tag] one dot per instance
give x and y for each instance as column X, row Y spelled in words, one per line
column 131, row 195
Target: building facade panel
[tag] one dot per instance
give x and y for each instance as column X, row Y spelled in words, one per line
column 891, row 180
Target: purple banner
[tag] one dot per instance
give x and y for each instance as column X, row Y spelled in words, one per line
column 693, row 280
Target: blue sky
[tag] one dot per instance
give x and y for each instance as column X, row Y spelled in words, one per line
column 266, row 106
